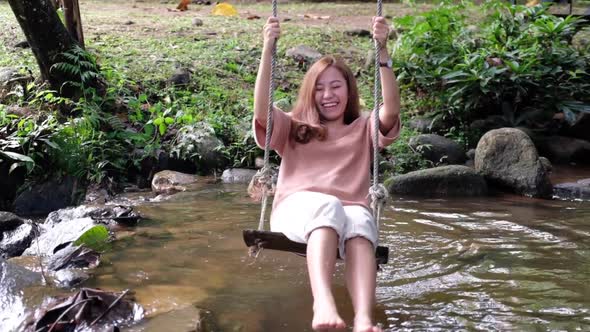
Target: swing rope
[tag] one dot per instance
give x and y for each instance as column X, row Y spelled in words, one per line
column 377, row 192
column 265, row 175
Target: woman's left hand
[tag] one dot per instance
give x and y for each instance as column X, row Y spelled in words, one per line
column 380, row 30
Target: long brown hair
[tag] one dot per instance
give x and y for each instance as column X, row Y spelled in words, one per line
column 306, row 119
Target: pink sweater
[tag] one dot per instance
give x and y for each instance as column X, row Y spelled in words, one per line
column 337, row 166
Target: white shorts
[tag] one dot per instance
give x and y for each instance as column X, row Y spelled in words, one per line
column 302, row 212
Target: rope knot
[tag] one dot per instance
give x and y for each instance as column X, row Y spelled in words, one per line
column 378, row 195
column 262, row 183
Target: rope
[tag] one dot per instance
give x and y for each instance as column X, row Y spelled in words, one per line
column 265, row 175
column 377, row 192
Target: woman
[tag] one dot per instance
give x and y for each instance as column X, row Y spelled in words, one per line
column 321, row 195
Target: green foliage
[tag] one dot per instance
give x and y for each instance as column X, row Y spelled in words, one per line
column 519, row 63
column 95, row 238
column 402, row 158
column 80, row 68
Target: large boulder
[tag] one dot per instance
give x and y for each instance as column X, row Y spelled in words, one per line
column 166, row 182
column 56, row 236
column 16, row 241
column 444, row 181
column 40, row 199
column 508, row 158
column 438, row 149
column 237, row 175
column 9, row 221
column 16, row 235
column 199, row 144
column 563, row 150
column 573, row 190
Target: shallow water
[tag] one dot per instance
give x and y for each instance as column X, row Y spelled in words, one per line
column 497, row 263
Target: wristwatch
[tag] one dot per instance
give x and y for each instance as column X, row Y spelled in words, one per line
column 388, row 64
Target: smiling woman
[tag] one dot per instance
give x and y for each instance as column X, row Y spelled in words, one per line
column 321, row 194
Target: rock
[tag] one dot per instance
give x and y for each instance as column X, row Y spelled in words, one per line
column 426, row 125
column 579, row 129
column 546, row 164
column 438, row 149
column 259, row 162
column 9, row 221
column 358, row 32
column 57, row 235
column 453, row 180
column 9, row 78
column 100, row 214
column 369, row 60
column 205, row 321
column 197, row 22
column 69, row 278
column 10, row 182
column 563, row 150
column 470, row 154
column 96, row 194
column 128, row 22
column 237, row 175
column 303, row 54
column 21, row 111
column 170, row 181
column 14, row 280
column 22, row 44
column 573, row 190
column 508, row 158
column 6, row 74
column 481, row 126
column 182, row 76
column 73, row 257
column 15, row 242
column 46, row 197
column 199, row 144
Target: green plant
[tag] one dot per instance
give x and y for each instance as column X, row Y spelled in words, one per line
column 519, row 64
column 81, row 71
column 402, row 158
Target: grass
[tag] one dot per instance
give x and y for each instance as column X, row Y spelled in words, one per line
column 140, row 44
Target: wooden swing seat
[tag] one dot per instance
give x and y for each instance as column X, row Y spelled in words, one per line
column 278, row 241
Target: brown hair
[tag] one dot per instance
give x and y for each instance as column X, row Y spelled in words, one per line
column 306, row 119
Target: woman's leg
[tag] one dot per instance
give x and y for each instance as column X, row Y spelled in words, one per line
column 318, row 220
column 361, row 274
column 322, row 245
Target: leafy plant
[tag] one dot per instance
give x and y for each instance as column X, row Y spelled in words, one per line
column 519, row 64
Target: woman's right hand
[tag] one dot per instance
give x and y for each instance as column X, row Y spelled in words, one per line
column 271, row 31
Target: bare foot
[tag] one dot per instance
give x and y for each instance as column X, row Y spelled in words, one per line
column 364, row 324
column 325, row 316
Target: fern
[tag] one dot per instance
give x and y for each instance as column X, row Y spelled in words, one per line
column 79, row 66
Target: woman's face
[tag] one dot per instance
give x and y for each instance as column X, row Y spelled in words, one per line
column 331, row 94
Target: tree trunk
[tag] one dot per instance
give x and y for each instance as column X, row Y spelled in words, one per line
column 73, row 20
column 46, row 35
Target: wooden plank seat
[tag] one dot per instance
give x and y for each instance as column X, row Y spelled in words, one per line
column 278, row 241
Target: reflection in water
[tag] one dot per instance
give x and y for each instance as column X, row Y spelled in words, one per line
column 501, row 263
